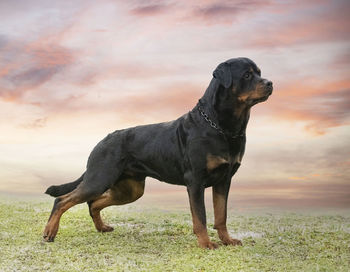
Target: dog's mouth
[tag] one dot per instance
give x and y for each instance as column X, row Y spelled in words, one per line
column 260, row 94
column 268, row 91
column 266, row 95
column 262, row 99
column 269, row 87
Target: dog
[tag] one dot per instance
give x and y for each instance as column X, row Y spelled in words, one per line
column 203, row 148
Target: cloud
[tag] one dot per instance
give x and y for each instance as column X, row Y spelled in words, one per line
column 217, row 9
column 3, row 41
column 210, row 12
column 167, row 98
column 228, row 8
column 26, row 66
column 323, row 23
column 128, row 70
column 341, row 60
column 321, row 105
column 32, row 77
column 35, row 124
column 150, row 10
column 308, row 160
column 163, row 103
column 291, row 194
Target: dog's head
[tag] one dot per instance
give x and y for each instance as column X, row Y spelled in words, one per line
column 242, row 79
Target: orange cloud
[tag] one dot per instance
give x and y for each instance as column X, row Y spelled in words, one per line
column 321, row 104
column 165, row 102
column 48, row 54
column 179, row 98
column 297, row 178
column 35, row 124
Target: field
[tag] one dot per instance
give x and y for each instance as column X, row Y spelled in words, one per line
column 150, row 238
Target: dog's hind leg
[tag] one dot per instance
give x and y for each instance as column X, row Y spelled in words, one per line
column 95, row 183
column 61, row 204
column 123, row 192
column 95, row 206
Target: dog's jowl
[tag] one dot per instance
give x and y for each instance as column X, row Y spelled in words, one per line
column 200, row 149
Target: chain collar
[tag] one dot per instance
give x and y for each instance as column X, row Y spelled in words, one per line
column 215, row 126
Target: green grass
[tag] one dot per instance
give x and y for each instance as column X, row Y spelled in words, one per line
column 151, row 239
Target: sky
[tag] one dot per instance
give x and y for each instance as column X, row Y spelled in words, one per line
column 73, row 71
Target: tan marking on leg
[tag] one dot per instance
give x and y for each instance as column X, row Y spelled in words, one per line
column 220, row 213
column 51, row 229
column 202, row 234
column 105, row 200
column 215, row 161
column 125, row 191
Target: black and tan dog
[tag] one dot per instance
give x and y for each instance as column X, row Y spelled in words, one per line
column 200, row 149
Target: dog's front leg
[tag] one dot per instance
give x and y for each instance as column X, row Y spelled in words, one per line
column 220, row 194
column 196, row 196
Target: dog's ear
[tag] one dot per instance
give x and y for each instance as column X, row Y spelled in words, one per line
column 223, row 74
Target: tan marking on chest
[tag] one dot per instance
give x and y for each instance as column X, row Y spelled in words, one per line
column 237, row 159
column 215, row 161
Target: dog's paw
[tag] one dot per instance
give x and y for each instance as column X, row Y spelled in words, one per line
column 49, row 233
column 106, row 228
column 208, row 245
column 48, row 238
column 231, row 241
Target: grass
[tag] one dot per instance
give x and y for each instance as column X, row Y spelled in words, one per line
column 153, row 239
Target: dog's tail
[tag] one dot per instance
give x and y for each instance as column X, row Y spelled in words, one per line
column 58, row 190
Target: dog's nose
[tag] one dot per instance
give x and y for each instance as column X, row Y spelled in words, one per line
column 268, row 85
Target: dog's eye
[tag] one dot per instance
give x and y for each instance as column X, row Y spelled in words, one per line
column 247, row 75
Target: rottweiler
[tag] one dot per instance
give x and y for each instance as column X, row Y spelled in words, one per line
column 202, row 148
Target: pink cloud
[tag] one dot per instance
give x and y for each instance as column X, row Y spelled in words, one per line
column 128, row 71
column 150, row 9
column 341, row 60
column 167, row 102
column 227, row 10
column 327, row 22
column 31, row 65
column 208, row 11
column 297, row 193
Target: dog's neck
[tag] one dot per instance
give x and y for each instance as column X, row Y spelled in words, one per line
column 224, row 109
column 234, row 118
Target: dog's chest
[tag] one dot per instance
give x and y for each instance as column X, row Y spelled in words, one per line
column 223, row 162
column 217, row 161
column 221, row 167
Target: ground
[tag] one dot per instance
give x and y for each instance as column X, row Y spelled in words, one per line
column 150, row 238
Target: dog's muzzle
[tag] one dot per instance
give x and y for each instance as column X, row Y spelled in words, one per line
column 268, row 86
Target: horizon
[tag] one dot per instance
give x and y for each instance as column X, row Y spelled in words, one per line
column 70, row 73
